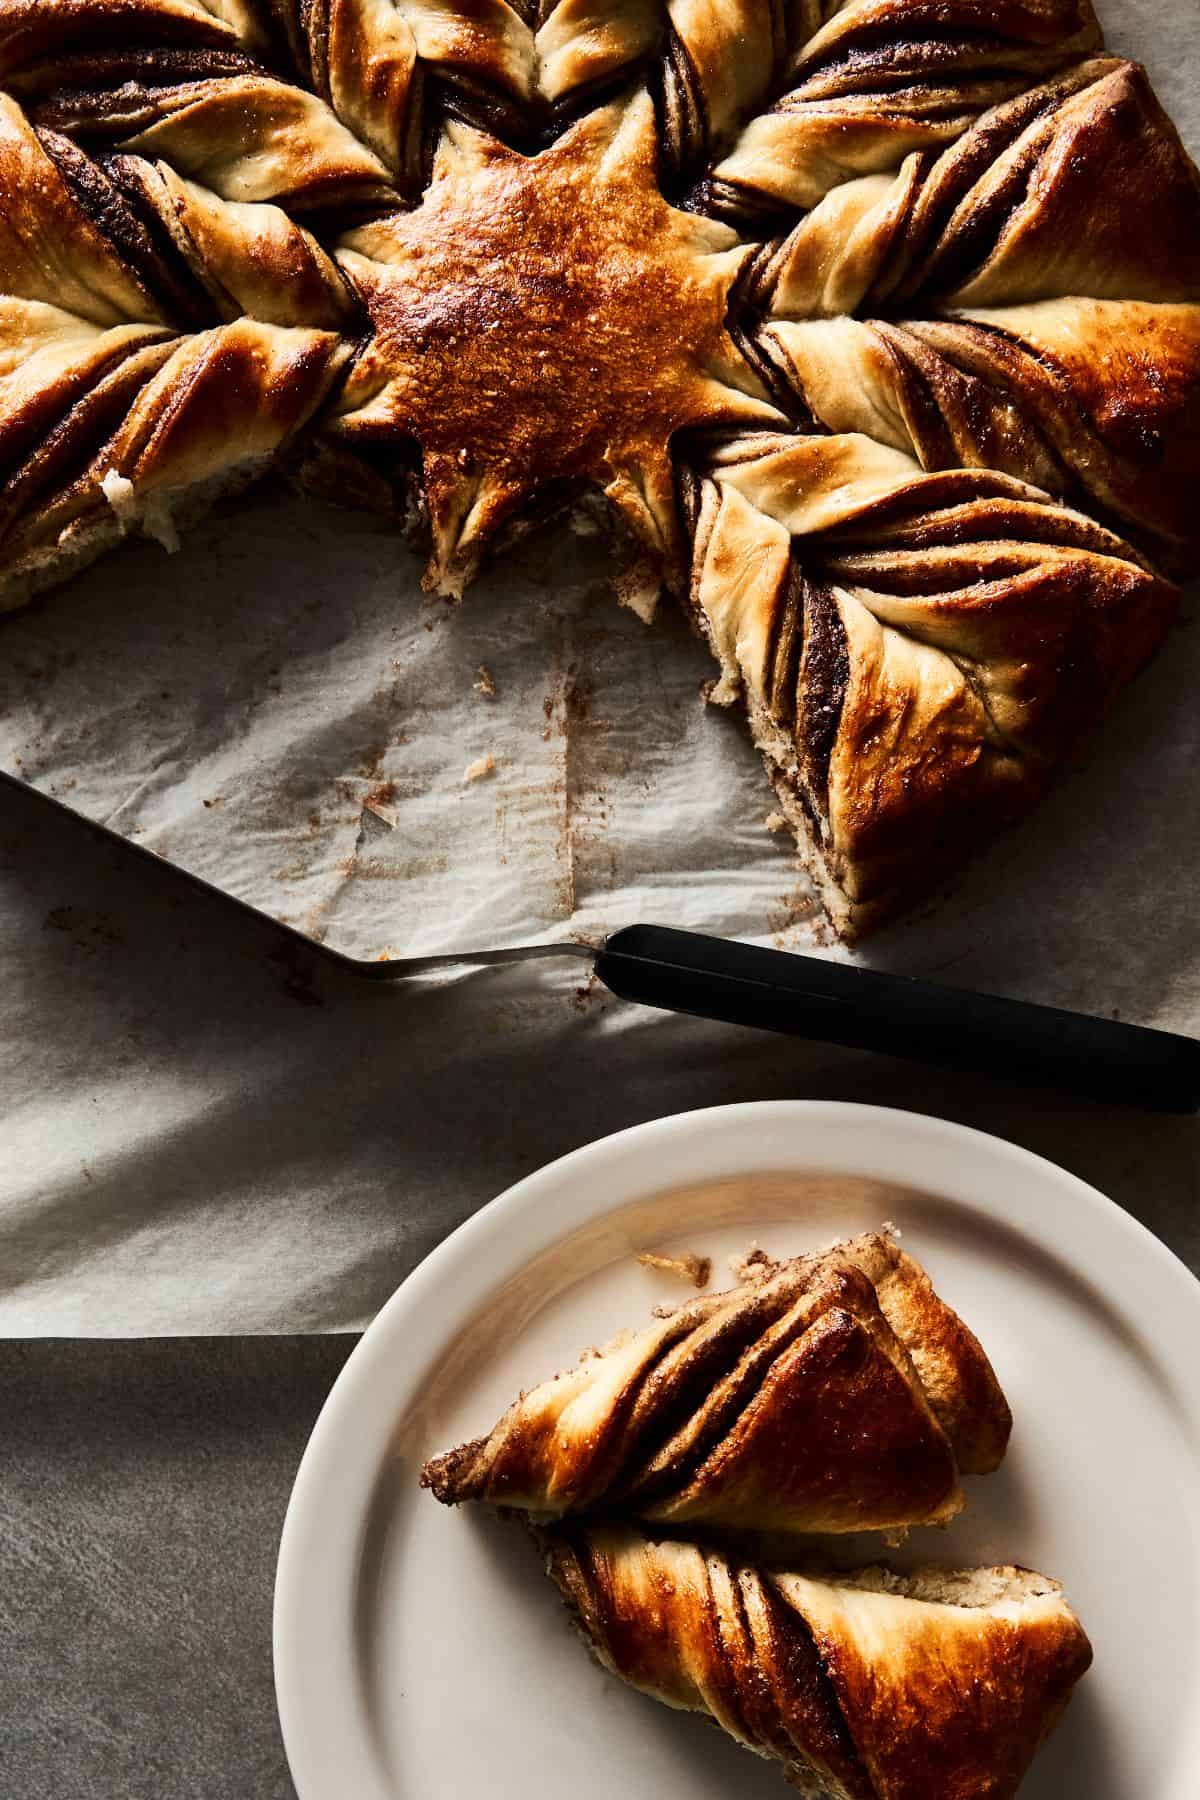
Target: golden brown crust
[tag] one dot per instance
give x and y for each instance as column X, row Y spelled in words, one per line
column 977, row 629
column 1010, row 214
column 884, row 78
column 481, row 299
column 218, row 404
column 954, row 1368
column 820, row 1427
column 791, row 1404
column 702, row 1634
column 102, row 370
column 860, row 1686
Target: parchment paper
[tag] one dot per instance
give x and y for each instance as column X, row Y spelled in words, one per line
column 278, row 709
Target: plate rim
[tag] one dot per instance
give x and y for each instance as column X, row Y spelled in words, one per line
column 308, row 1586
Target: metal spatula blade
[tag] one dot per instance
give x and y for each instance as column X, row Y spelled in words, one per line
column 865, row 1009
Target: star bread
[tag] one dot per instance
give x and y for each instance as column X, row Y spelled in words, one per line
column 546, row 318
column 873, row 328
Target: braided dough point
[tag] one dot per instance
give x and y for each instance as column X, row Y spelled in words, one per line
column 839, row 1394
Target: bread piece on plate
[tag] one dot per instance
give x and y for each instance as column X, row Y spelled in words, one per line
column 933, row 1685
column 829, row 1393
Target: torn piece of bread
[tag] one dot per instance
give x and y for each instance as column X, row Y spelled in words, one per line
column 796, row 1404
column 865, row 1686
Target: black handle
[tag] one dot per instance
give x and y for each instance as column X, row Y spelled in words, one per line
column 775, row 990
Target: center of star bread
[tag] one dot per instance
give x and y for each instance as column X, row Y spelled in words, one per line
column 545, row 319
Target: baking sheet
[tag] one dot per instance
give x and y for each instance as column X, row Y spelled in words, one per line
column 278, row 709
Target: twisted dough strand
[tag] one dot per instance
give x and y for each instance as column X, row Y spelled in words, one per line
column 865, row 1687
column 791, row 1404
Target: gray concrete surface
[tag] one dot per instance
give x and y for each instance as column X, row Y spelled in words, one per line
column 142, row 1491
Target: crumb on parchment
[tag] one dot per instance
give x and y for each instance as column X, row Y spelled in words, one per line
column 482, row 766
column 775, row 821
column 687, row 1265
column 485, row 682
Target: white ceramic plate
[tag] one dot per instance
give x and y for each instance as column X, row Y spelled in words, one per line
column 421, row 1655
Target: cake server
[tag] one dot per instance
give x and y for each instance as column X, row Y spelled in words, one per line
column 829, row 1002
